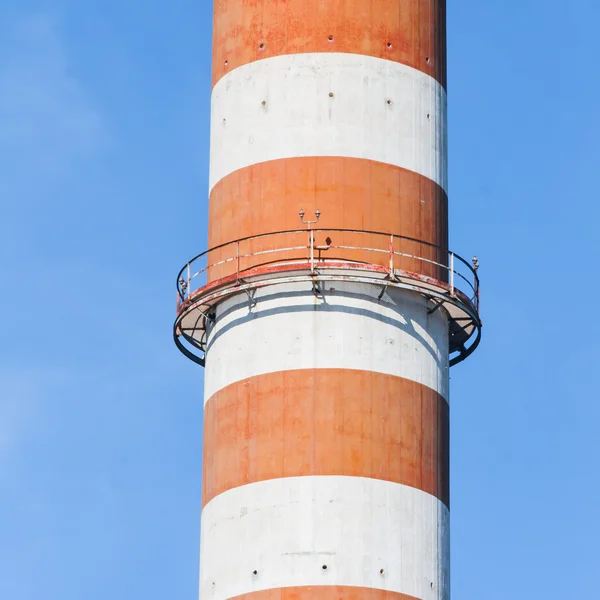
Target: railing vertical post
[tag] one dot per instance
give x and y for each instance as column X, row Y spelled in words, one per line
column 452, row 273
column 238, row 261
column 311, row 241
column 392, row 255
column 189, row 279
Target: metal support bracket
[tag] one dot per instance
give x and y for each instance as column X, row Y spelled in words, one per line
column 317, row 291
column 251, row 301
column 437, row 305
column 207, row 317
column 383, row 291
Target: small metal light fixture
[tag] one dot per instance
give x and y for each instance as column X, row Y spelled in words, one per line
column 308, row 222
column 183, row 285
column 475, row 263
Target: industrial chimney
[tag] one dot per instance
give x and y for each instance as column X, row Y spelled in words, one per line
column 328, row 310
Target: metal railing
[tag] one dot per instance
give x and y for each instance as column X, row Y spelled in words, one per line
column 235, row 259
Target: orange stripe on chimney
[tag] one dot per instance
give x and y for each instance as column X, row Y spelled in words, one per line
column 351, row 193
column 326, row 592
column 326, row 422
column 412, row 32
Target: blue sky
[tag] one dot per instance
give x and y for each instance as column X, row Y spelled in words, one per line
column 103, row 179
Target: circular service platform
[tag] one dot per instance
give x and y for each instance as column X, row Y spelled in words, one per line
column 362, row 257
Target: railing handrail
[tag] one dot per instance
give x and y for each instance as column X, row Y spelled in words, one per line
column 392, row 237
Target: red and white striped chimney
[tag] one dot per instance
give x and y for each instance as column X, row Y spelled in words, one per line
column 327, row 312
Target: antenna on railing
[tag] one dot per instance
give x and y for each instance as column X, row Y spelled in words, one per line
column 182, row 286
column 309, row 223
column 311, row 236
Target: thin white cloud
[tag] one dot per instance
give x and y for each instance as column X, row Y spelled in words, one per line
column 47, row 119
